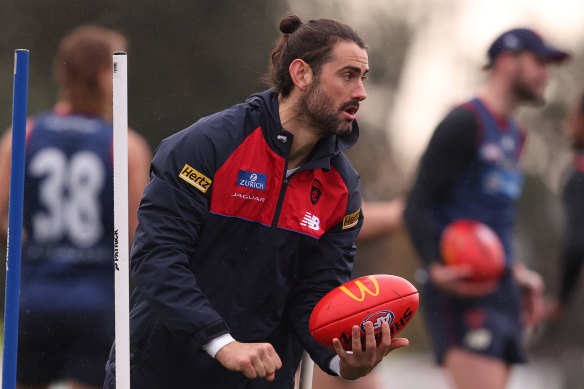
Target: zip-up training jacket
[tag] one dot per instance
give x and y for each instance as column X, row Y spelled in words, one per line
column 227, row 243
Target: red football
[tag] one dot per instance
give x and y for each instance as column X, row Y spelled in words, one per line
column 471, row 242
column 379, row 298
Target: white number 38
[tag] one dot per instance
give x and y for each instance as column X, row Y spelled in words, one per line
column 69, row 191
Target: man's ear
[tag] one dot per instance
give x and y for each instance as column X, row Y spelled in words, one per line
column 506, row 62
column 301, row 74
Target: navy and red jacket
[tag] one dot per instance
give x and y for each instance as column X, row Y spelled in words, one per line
column 226, row 242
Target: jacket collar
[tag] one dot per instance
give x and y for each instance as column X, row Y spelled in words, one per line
column 280, row 140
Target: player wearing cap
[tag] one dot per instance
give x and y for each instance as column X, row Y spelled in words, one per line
column 470, row 170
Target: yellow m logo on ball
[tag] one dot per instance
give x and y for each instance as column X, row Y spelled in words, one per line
column 363, row 289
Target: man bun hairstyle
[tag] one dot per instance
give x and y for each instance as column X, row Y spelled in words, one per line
column 312, row 42
column 289, row 24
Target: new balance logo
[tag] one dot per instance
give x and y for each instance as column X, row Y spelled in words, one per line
column 311, row 221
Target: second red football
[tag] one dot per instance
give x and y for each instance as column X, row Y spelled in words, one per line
column 471, row 242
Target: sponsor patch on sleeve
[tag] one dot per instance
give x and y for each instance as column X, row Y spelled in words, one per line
column 350, row 221
column 195, row 178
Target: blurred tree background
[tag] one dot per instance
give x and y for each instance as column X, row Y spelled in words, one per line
column 191, row 58
column 186, row 59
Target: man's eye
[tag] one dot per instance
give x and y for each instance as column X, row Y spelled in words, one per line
column 348, row 77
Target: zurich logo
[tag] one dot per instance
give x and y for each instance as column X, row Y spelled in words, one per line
column 252, row 180
column 378, row 318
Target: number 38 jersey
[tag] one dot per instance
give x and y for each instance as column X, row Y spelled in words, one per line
column 67, row 258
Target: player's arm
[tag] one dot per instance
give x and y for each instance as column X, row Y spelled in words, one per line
column 450, row 150
column 5, row 156
column 5, row 166
column 381, row 218
column 139, row 157
column 532, row 288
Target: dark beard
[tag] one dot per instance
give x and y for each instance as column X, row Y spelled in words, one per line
column 321, row 115
column 525, row 94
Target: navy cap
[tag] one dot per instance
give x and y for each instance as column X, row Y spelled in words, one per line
column 524, row 39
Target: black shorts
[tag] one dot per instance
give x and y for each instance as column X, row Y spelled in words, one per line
column 488, row 325
column 54, row 347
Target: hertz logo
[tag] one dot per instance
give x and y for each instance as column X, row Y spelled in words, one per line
column 363, row 289
column 351, row 220
column 195, row 178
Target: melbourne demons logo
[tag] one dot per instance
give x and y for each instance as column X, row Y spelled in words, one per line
column 315, row 191
column 362, row 289
column 378, row 318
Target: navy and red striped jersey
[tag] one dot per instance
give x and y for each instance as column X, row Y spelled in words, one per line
column 469, row 170
column 227, row 241
column 488, row 188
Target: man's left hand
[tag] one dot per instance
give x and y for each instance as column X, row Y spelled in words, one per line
column 359, row 362
column 532, row 287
